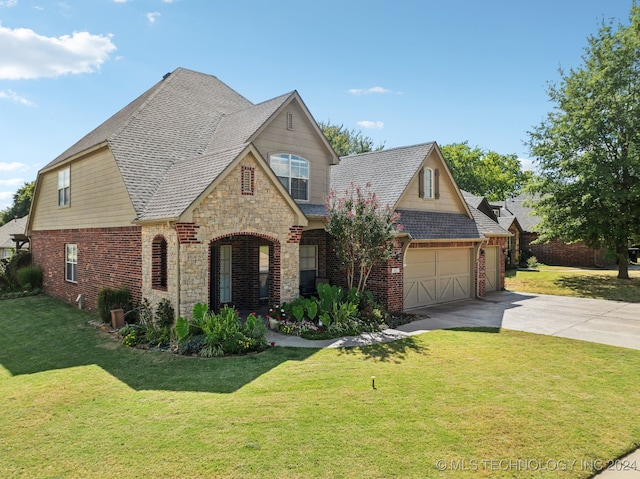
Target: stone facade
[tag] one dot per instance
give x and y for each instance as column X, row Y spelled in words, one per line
column 227, row 212
column 153, row 293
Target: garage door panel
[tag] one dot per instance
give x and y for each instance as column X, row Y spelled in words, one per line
column 436, row 275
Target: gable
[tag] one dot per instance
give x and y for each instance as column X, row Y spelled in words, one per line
column 449, row 199
column 98, row 196
column 291, row 131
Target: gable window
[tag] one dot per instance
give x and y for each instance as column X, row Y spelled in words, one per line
column 293, row 173
column 71, row 263
column 64, row 187
column 159, row 263
column 429, row 185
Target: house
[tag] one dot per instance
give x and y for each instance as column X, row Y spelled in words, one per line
column 506, row 221
column 194, row 194
column 555, row 253
column 12, row 236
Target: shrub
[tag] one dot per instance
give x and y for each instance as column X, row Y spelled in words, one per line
column 532, row 262
column 220, row 334
column 30, row 277
column 110, row 298
column 9, row 269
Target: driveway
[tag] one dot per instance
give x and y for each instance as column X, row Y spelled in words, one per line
column 596, row 320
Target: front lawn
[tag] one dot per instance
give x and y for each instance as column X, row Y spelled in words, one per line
column 579, row 282
column 75, row 403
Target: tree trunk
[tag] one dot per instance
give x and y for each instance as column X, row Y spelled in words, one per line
column 623, row 261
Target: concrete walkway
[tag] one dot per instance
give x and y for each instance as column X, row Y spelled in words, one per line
column 599, row 321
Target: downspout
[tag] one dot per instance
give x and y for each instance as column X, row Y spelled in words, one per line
column 178, row 268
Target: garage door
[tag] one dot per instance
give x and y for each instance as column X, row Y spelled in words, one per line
column 491, row 268
column 434, row 276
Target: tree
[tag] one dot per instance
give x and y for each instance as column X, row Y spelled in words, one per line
column 363, row 232
column 21, row 204
column 485, row 173
column 588, row 147
column 347, row 142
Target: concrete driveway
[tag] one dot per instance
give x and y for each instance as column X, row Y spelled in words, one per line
column 596, row 320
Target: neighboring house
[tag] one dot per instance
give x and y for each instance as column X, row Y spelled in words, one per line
column 555, row 253
column 195, row 194
column 506, row 221
column 12, row 235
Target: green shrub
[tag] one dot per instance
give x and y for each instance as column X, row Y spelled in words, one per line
column 111, row 298
column 532, row 262
column 9, row 269
column 30, row 277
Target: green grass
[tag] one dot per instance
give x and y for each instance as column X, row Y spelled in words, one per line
column 578, row 282
column 77, row 404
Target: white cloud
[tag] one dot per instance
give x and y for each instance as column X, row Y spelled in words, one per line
column 12, row 182
column 153, row 16
column 24, row 54
column 8, row 3
column 121, row 1
column 371, row 125
column 168, row 1
column 527, row 164
column 12, row 95
column 14, row 166
column 375, row 89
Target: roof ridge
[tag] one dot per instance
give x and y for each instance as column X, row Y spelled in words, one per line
column 389, row 149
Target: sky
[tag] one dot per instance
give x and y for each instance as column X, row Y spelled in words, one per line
column 402, row 72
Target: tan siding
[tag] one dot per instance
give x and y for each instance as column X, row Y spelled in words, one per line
column 449, row 200
column 98, row 196
column 303, row 141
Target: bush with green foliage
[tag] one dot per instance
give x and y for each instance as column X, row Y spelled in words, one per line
column 113, row 298
column 211, row 334
column 148, row 327
column 9, row 270
column 533, row 263
column 30, row 277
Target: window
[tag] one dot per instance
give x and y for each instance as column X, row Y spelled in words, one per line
column 71, row 263
column 64, row 190
column 429, row 184
column 308, row 269
column 289, row 121
column 159, row 263
column 293, row 173
column 264, row 272
column 225, row 273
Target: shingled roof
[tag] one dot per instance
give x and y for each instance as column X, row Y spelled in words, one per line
column 172, row 141
column 429, row 225
column 388, row 171
column 518, row 207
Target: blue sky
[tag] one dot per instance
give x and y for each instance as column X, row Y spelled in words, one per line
column 402, row 72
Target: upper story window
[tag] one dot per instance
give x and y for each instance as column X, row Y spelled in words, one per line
column 293, row 173
column 429, row 185
column 64, row 186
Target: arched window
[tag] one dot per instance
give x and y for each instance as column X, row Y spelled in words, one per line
column 159, row 263
column 293, row 173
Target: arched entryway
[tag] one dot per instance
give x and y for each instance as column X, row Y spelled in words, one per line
column 244, row 271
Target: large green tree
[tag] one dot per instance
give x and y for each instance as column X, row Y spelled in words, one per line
column 588, row 147
column 347, row 142
column 21, row 204
column 485, row 173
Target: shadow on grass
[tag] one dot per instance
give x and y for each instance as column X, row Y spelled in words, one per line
column 42, row 334
column 602, row 287
column 395, row 351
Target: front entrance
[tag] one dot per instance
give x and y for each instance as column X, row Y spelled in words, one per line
column 243, row 272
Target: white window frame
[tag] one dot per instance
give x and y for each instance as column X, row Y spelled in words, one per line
column 428, row 183
column 64, row 186
column 71, row 263
column 286, row 177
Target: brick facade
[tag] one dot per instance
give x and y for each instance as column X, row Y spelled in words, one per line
column 556, row 253
column 107, row 257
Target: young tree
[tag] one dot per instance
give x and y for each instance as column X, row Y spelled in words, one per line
column 485, row 173
column 347, row 142
column 21, row 204
column 363, row 232
column 588, row 147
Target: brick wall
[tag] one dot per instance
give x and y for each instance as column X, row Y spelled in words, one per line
column 107, row 257
column 386, row 281
column 556, row 253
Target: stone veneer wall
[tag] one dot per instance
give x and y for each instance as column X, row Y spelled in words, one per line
column 155, row 294
column 107, row 257
column 227, row 212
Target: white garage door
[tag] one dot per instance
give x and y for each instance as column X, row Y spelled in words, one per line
column 491, row 268
column 434, row 276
